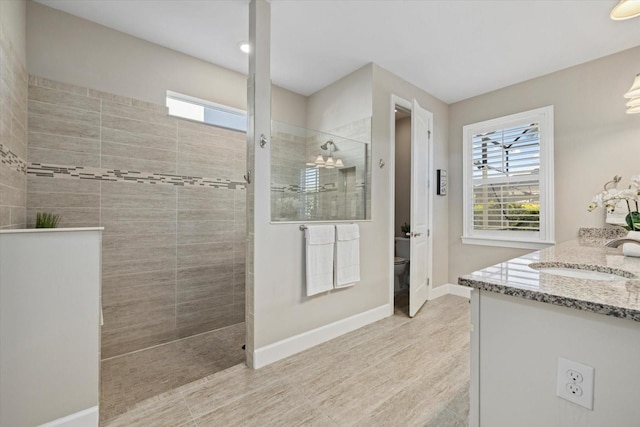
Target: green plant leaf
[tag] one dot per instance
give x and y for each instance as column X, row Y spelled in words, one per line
column 46, row 220
column 633, row 220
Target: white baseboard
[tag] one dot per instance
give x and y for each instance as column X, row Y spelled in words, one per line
column 459, row 290
column 85, row 418
column 438, row 291
column 449, row 289
column 290, row 346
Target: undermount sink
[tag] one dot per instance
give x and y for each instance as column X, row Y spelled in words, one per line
column 582, row 271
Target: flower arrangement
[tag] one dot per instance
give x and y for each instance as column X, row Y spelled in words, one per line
column 609, row 198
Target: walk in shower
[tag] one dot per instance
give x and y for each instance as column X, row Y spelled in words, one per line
column 170, row 195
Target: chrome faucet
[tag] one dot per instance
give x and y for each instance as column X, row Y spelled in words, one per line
column 618, row 242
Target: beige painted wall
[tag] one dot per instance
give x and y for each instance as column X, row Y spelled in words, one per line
column 384, row 85
column 403, row 175
column 282, row 309
column 594, row 140
column 72, row 50
column 342, row 102
column 13, row 23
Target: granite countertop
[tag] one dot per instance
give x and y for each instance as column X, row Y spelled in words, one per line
column 618, row 298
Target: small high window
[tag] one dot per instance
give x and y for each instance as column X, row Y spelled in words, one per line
column 508, row 181
column 199, row 110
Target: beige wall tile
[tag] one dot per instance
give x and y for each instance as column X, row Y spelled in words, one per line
column 157, row 309
column 147, row 220
column 137, row 265
column 140, row 226
column 51, row 84
column 63, row 200
column 126, row 254
column 136, row 113
column 114, row 243
column 150, row 106
column 166, row 142
column 135, row 126
column 138, row 286
column 63, row 98
column 57, row 127
column 63, row 113
column 11, row 177
column 64, row 143
column 47, row 156
column 137, row 165
column 214, row 287
column 150, row 229
column 109, row 97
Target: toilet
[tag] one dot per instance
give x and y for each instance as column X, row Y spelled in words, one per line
column 401, row 263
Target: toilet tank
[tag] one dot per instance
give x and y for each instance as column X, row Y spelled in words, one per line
column 403, row 247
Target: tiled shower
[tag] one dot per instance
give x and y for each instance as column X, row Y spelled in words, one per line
column 170, row 195
column 13, row 136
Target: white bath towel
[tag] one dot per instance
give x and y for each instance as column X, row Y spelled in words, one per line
column 347, row 270
column 319, row 243
column 631, row 249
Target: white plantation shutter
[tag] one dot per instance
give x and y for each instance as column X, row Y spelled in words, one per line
column 508, row 174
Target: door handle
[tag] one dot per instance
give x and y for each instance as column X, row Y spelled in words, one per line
column 416, row 234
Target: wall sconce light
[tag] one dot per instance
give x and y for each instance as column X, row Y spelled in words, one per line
column 329, row 163
column 633, row 94
column 626, row 9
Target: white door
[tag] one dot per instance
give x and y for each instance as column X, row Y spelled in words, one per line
column 419, row 264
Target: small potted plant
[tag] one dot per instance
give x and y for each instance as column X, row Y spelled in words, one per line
column 47, row 220
column 406, row 229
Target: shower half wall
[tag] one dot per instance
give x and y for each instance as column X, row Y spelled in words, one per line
column 170, row 195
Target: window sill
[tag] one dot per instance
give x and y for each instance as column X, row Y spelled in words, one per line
column 520, row 244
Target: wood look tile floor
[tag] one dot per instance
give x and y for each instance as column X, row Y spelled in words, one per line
column 395, row 372
column 134, row 377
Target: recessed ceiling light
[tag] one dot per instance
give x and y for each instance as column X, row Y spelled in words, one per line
column 244, row 46
column 625, row 9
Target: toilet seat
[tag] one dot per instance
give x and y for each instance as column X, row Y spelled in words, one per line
column 399, row 260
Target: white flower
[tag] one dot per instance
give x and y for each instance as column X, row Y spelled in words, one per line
column 635, row 181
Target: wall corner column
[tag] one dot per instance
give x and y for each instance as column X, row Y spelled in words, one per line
column 258, row 158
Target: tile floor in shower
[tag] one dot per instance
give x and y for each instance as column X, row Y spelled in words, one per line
column 131, row 378
column 394, row 372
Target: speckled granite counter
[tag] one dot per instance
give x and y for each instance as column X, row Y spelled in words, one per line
column 618, row 298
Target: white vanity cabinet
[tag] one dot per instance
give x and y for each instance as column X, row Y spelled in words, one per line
column 49, row 327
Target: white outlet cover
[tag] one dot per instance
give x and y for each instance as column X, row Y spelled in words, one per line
column 564, row 384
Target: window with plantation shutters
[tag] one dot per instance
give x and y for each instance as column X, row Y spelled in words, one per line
column 508, row 180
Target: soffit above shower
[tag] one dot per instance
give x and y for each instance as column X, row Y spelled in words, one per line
column 451, row 49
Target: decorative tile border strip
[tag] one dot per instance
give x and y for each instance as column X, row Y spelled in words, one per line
column 116, row 175
column 7, row 157
column 330, row 186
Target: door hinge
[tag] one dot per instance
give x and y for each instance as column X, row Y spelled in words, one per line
column 428, row 233
column 427, row 282
column 429, row 133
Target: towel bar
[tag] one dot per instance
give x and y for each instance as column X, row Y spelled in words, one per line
column 303, row 227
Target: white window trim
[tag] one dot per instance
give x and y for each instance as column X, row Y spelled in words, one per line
column 534, row 240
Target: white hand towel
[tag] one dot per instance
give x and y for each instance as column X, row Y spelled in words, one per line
column 319, row 241
column 631, row 249
column 347, row 269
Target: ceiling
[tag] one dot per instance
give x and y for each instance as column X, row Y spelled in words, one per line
column 451, row 49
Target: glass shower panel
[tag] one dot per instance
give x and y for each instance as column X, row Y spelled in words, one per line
column 320, row 176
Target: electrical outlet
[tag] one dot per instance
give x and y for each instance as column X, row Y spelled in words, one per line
column 575, row 376
column 574, row 389
column 575, row 382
